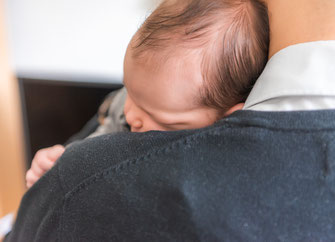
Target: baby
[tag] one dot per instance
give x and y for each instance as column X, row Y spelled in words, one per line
column 190, row 64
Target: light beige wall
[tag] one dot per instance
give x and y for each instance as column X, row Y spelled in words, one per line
column 11, row 136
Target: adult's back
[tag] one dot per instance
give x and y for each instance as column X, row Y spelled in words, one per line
column 251, row 177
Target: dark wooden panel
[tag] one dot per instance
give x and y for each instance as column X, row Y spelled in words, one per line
column 55, row 110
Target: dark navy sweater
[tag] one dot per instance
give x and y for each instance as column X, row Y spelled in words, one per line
column 254, row 176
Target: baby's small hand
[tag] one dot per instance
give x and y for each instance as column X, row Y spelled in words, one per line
column 43, row 160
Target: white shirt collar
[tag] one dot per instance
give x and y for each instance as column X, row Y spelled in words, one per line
column 299, row 77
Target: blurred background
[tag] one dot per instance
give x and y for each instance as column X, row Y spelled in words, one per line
column 58, row 61
column 72, row 39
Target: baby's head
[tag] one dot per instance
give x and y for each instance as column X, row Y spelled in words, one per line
column 194, row 61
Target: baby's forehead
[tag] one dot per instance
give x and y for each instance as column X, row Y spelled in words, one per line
column 178, row 76
column 179, row 67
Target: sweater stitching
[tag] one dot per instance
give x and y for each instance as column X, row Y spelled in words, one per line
column 268, row 127
column 92, row 179
column 176, row 144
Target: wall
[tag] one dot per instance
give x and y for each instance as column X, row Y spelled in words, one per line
column 70, row 39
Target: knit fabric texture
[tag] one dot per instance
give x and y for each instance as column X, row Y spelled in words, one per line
column 253, row 176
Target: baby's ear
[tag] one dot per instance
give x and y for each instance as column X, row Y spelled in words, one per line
column 238, row 106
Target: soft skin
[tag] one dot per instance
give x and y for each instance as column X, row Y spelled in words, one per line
column 43, row 161
column 163, row 96
column 298, row 21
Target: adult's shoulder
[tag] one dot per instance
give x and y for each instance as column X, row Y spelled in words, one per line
column 143, row 183
column 236, row 179
column 92, row 156
column 245, row 178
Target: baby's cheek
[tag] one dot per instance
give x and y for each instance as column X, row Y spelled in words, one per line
column 149, row 125
column 126, row 105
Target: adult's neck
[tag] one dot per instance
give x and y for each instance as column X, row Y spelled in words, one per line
column 298, row 21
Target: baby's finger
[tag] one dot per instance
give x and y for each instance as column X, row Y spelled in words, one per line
column 45, row 165
column 55, row 152
column 37, row 169
column 31, row 178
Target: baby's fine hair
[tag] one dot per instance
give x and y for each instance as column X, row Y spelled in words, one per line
column 232, row 36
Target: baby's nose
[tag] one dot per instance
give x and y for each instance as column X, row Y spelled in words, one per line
column 136, row 125
column 133, row 120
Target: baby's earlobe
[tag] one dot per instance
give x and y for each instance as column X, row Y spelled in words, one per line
column 237, row 107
